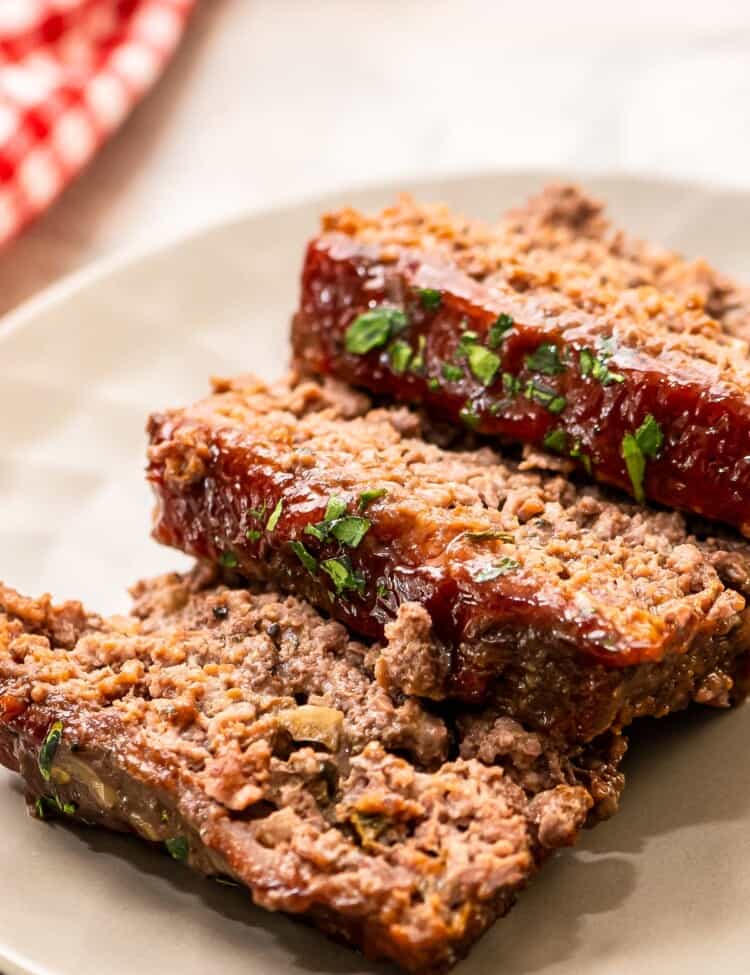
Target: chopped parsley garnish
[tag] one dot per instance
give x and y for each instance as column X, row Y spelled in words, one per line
column 483, row 364
column 49, row 749
column 309, row 561
column 596, row 367
column 430, row 298
column 347, row 529
column 253, row 535
column 350, row 530
column 500, row 568
column 466, row 342
column 228, row 559
column 367, row 497
column 576, row 452
column 273, row 518
column 511, row 384
column 452, row 373
column 503, row 323
column 636, row 448
column 489, row 534
column 258, row 513
column 382, row 590
column 178, row 848
column 470, row 416
column 342, row 575
column 417, row 363
column 586, row 360
column 556, row 440
column 545, row 359
column 335, row 508
column 45, row 804
column 557, row 405
column 374, row 328
column 433, row 384
column 649, row 436
column 545, row 396
column 400, row 355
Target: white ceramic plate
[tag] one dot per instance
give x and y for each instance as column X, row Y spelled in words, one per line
column 663, row 888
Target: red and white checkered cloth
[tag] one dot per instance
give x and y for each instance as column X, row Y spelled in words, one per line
column 70, row 71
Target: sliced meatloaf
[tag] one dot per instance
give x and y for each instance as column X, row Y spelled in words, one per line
column 564, row 225
column 537, row 331
column 569, row 611
column 247, row 735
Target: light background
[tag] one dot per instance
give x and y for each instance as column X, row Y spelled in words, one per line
column 274, row 100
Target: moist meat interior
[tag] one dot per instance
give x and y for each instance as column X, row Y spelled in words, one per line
column 249, row 735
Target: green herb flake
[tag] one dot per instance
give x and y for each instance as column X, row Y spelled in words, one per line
column 650, row 437
column 452, row 373
column 319, row 531
column 635, row 464
column 434, row 384
column 350, row 530
column 470, row 416
column 342, row 575
column 586, row 360
column 596, row 367
column 258, row 513
column 489, row 534
column 557, row 405
column 52, row 804
column 373, row 329
column 545, row 359
column 636, row 447
column 305, row 557
column 430, row 298
column 503, row 324
column 399, row 354
column 500, row 568
column 556, row 440
column 511, row 384
column 600, row 371
column 545, row 396
column 382, row 590
column 366, row 498
column 178, row 848
column 335, row 508
column 228, row 559
column 417, row 363
column 49, row 749
column 273, row 518
column 466, row 342
column 253, row 535
column 576, row 452
column 483, row 364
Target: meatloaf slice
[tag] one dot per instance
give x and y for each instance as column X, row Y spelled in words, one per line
column 488, row 329
column 570, row 232
column 247, row 735
column 570, row 611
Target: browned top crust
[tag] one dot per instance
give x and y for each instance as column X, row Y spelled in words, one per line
column 562, row 244
column 247, row 729
column 565, row 222
column 628, row 583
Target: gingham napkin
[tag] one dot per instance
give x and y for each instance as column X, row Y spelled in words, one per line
column 70, row 71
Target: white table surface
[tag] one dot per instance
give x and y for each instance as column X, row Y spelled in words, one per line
column 271, row 100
